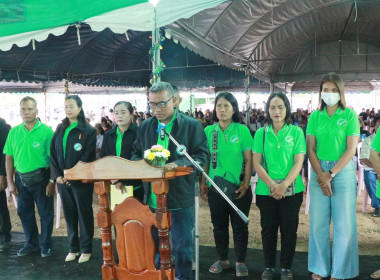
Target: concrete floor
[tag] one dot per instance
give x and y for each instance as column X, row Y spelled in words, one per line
column 33, row 267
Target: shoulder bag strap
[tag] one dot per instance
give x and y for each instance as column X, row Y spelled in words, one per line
column 214, row 148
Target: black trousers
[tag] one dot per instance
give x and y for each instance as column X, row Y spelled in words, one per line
column 221, row 212
column 77, row 207
column 5, row 220
column 281, row 214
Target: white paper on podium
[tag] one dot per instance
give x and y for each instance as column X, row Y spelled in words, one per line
column 117, row 197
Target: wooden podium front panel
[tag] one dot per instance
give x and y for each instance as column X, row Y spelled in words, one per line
column 135, row 247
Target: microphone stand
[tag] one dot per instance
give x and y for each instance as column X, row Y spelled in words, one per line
column 181, row 150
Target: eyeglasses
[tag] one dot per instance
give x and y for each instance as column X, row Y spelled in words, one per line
column 161, row 104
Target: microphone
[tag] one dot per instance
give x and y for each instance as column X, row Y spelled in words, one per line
column 161, row 131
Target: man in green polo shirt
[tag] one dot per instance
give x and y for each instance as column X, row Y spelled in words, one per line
column 28, row 158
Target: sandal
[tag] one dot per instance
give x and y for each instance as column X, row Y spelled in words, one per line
column 241, row 270
column 316, row 277
column 376, row 274
column 218, row 267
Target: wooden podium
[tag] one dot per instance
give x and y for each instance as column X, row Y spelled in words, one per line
column 132, row 219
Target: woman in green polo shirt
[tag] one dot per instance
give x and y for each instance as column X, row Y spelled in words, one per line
column 230, row 144
column 75, row 140
column 118, row 141
column 278, row 153
column 332, row 137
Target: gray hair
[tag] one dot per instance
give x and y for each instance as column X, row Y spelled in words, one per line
column 28, row 98
column 162, row 86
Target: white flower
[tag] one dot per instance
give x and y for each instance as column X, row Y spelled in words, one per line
column 146, row 153
column 159, row 154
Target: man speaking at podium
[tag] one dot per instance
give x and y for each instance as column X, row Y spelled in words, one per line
column 188, row 132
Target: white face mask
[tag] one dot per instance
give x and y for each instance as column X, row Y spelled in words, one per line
column 330, row 98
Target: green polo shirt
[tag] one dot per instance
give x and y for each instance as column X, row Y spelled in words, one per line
column 119, row 141
column 231, row 144
column 152, row 199
column 376, row 147
column 331, row 132
column 279, row 153
column 67, row 131
column 30, row 149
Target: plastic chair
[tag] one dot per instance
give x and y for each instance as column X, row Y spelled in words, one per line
column 13, row 197
column 253, row 187
column 307, row 206
column 361, row 183
column 58, row 208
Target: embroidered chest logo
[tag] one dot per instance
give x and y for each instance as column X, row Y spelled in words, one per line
column 290, row 140
column 77, row 147
column 342, row 122
column 234, row 139
column 36, row 145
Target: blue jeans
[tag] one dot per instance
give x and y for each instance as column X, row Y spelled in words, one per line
column 370, row 184
column 342, row 260
column 182, row 242
column 27, row 196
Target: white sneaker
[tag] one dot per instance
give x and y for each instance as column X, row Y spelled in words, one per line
column 71, row 257
column 84, row 257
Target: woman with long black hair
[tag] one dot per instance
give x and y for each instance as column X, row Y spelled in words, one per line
column 75, row 140
column 118, row 142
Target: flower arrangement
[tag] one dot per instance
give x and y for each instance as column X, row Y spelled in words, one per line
column 156, row 155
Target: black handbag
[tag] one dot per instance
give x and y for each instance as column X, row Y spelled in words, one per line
column 290, row 190
column 33, row 177
column 226, row 187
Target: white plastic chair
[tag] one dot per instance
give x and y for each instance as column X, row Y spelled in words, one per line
column 254, row 180
column 58, row 209
column 307, row 206
column 13, row 197
column 361, row 183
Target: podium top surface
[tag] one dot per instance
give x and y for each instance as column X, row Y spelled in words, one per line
column 116, row 168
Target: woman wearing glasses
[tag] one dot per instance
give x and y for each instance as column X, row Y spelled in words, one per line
column 230, row 145
column 332, row 137
column 278, row 153
column 118, row 142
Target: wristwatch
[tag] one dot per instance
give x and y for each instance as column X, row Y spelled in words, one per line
column 332, row 174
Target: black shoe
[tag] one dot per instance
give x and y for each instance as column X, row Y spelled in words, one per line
column 27, row 250
column 268, row 274
column 46, row 252
column 4, row 245
column 377, row 212
column 286, row 274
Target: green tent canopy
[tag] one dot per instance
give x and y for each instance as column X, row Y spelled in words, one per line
column 24, row 20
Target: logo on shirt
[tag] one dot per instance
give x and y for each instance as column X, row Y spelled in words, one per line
column 77, row 147
column 234, row 139
column 342, row 122
column 290, row 140
column 36, row 145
